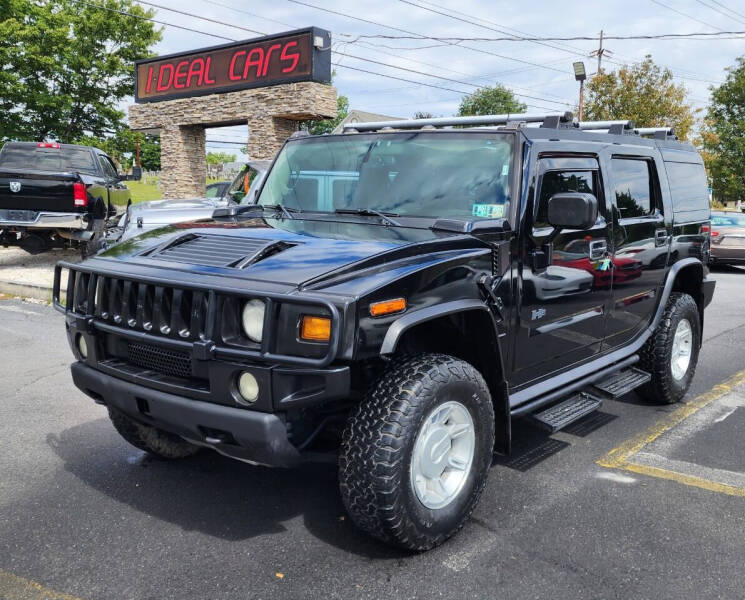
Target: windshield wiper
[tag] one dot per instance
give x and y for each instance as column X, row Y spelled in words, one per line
column 287, row 211
column 370, row 212
column 232, row 211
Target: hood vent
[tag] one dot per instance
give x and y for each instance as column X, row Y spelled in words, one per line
column 218, row 251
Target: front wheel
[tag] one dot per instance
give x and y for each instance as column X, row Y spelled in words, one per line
column 417, row 450
column 671, row 353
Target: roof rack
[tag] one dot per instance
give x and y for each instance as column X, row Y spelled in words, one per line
column 658, row 133
column 552, row 120
column 615, row 127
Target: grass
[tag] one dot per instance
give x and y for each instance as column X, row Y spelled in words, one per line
column 144, row 191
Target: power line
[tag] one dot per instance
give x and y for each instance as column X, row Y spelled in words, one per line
column 721, row 12
column 675, row 10
column 421, row 36
column 129, row 14
column 188, row 14
column 703, row 35
column 739, row 14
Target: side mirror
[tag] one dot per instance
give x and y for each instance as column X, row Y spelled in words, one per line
column 135, row 176
column 572, row 210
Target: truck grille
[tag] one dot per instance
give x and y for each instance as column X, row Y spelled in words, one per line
column 157, row 310
column 169, row 362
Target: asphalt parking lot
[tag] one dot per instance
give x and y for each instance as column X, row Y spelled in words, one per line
column 636, row 501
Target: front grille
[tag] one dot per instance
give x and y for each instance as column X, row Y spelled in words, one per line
column 168, row 362
column 150, row 308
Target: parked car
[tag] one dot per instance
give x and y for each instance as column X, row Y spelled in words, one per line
column 57, row 195
column 393, row 321
column 727, row 238
column 146, row 216
column 217, row 189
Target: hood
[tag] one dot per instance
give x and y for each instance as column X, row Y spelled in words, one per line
column 284, row 251
column 164, row 212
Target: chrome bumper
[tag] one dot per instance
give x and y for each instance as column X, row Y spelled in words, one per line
column 45, row 220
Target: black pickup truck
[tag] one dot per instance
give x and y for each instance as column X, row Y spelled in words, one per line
column 57, row 195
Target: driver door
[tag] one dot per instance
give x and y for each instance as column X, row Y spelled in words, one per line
column 563, row 306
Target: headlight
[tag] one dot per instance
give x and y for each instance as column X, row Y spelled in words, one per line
column 252, row 319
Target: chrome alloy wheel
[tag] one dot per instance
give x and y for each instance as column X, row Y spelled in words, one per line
column 443, row 454
column 682, row 348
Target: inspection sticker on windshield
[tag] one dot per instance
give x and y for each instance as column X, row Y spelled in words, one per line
column 488, row 211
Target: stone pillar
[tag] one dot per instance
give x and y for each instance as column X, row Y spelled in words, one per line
column 183, row 168
column 267, row 134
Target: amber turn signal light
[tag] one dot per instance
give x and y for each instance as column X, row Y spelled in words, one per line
column 315, row 329
column 387, row 307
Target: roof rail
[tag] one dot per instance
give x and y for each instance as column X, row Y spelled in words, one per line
column 658, row 133
column 552, row 120
column 615, row 127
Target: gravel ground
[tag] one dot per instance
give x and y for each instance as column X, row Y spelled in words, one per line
column 18, row 266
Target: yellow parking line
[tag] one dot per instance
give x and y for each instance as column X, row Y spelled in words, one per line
column 13, row 587
column 619, row 457
column 691, row 480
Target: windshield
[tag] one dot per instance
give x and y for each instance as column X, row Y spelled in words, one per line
column 422, row 174
column 48, row 159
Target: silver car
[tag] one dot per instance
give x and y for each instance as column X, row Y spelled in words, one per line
column 146, row 216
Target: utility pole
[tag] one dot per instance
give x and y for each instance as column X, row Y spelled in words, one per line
column 600, row 52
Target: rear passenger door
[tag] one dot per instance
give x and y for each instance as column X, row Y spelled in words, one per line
column 641, row 241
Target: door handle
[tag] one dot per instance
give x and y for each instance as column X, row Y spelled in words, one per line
column 660, row 237
column 598, row 249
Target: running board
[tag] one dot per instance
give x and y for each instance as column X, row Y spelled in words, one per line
column 622, row 382
column 567, row 411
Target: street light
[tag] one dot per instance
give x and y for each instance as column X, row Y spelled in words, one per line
column 580, row 75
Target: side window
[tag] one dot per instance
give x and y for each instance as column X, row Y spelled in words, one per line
column 633, row 186
column 108, row 170
column 555, row 182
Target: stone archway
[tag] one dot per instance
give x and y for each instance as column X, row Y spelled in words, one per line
column 271, row 113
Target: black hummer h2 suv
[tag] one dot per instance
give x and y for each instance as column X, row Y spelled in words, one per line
column 398, row 295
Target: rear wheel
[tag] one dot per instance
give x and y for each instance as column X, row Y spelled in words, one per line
column 671, row 353
column 417, row 450
column 153, row 441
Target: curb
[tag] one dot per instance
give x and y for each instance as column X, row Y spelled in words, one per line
column 26, row 290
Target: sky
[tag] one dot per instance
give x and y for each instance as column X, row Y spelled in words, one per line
column 539, row 73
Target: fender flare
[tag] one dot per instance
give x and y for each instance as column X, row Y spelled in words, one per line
column 407, row 321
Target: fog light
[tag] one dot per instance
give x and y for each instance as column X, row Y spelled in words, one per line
column 82, row 346
column 248, row 387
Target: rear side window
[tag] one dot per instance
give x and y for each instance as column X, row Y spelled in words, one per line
column 632, row 186
column 688, row 186
column 47, row 159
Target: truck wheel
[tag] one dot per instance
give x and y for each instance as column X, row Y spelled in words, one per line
column 671, row 353
column 417, row 450
column 91, row 247
column 153, row 441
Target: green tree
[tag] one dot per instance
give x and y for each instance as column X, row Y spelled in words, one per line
column 219, row 158
column 66, row 66
column 723, row 135
column 122, row 147
column 490, row 100
column 644, row 93
column 321, row 126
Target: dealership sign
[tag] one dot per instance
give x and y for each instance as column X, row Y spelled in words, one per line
column 302, row 55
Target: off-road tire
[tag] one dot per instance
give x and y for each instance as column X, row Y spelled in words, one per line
column 377, row 444
column 657, row 352
column 153, row 441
